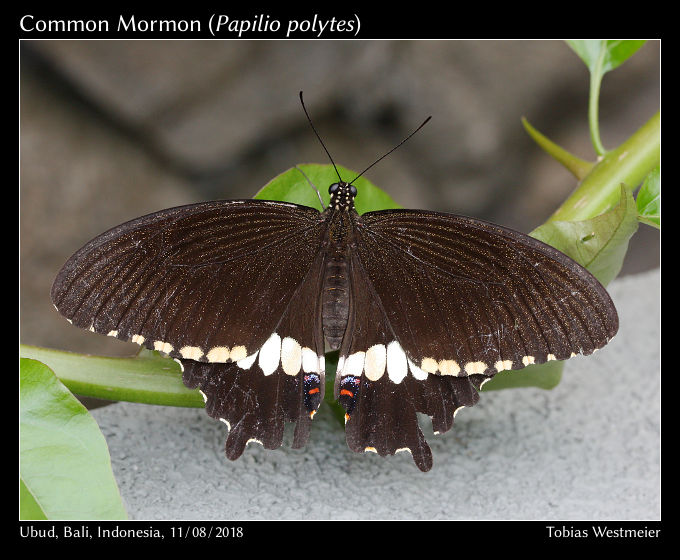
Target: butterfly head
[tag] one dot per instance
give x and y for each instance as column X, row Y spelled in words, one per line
column 342, row 195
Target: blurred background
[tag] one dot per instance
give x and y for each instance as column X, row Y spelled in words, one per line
column 112, row 130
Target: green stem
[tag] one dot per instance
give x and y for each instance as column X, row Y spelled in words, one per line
column 593, row 104
column 147, row 378
column 629, row 164
column 577, row 166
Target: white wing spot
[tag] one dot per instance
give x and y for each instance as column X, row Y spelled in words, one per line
column 112, row 333
column 429, row 365
column 416, row 372
column 502, row 365
column 161, row 346
column 291, row 356
column 138, row 339
column 270, row 354
column 528, row 360
column 475, row 367
column 191, row 352
column 397, row 367
column 376, row 359
column 219, row 354
column 238, row 353
column 354, row 364
column 247, row 362
column 449, row 367
column 310, row 361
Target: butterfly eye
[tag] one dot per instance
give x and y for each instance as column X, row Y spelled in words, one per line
column 333, row 188
column 353, row 190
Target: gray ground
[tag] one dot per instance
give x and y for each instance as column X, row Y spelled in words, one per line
column 588, row 449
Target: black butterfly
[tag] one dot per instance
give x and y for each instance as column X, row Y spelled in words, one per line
column 247, row 295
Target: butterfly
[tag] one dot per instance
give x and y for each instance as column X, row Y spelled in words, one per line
column 248, row 295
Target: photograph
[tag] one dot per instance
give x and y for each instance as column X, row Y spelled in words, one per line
column 339, row 279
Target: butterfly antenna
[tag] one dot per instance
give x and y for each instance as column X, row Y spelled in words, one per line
column 323, row 206
column 388, row 153
column 319, row 137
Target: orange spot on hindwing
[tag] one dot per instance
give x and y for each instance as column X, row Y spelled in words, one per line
column 312, row 389
column 347, row 396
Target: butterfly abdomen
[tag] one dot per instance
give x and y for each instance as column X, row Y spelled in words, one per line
column 335, row 290
column 335, row 299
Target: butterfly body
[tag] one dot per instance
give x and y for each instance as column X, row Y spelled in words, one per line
column 339, row 243
column 340, row 217
column 248, row 295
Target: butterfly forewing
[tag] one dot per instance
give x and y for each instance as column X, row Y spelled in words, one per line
column 466, row 297
column 207, row 282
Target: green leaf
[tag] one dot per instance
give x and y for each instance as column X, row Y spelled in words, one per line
column 146, row 378
column 29, row 509
column 600, row 57
column 577, row 166
column 543, row 376
column 599, row 244
column 649, row 199
column 292, row 186
column 64, row 461
column 612, row 53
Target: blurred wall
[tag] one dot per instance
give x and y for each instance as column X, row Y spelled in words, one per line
column 111, row 130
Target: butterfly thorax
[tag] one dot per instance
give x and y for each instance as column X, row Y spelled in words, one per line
column 342, row 196
column 337, row 242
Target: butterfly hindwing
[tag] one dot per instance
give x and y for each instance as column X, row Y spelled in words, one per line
column 207, row 282
column 282, row 381
column 382, row 390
